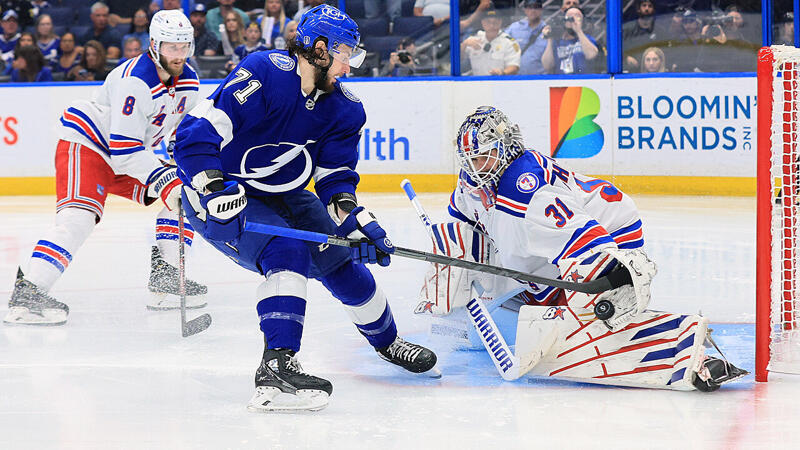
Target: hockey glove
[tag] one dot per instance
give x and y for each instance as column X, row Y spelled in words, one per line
column 225, row 220
column 162, row 184
column 630, row 300
column 376, row 248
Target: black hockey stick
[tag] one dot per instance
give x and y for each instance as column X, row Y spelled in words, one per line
column 199, row 323
column 611, row 281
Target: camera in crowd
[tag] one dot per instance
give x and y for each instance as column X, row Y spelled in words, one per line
column 716, row 21
column 558, row 25
column 404, row 56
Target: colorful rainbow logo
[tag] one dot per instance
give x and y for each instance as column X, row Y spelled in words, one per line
column 573, row 133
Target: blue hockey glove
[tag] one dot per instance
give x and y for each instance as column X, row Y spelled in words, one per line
column 376, row 248
column 224, row 219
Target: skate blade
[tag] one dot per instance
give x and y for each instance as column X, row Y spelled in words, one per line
column 171, row 302
column 433, row 372
column 18, row 315
column 271, row 399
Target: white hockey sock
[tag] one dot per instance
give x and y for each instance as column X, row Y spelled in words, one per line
column 167, row 235
column 53, row 253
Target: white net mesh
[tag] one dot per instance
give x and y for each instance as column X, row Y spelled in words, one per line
column 785, row 308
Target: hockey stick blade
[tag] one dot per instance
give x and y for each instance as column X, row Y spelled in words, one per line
column 196, row 325
column 591, row 287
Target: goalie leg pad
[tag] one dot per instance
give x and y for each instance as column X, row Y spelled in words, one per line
column 657, row 350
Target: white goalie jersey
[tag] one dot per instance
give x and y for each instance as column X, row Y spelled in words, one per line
column 130, row 115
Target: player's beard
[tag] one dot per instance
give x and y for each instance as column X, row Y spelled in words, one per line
column 173, row 71
column 323, row 81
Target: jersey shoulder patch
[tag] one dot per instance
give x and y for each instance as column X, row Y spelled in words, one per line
column 281, row 61
column 348, row 93
column 523, row 177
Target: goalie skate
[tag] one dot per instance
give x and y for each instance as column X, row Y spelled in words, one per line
column 30, row 306
column 164, row 289
column 282, row 386
column 714, row 372
column 411, row 357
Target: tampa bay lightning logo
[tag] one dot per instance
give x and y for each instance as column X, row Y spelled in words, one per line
column 287, row 153
column 527, row 183
column 349, row 94
column 282, row 61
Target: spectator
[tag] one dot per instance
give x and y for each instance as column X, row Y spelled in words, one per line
column 205, row 43
column 653, row 60
column 171, row 4
column 68, row 54
column 93, row 65
column 252, row 44
column 684, row 49
column 569, row 49
column 528, row 34
column 25, row 38
column 438, row 9
column 158, row 5
column 10, row 36
column 724, row 48
column 45, row 38
column 491, row 51
column 215, row 18
column 472, row 14
column 272, row 22
column 566, row 5
column 288, row 35
column 641, row 33
column 785, row 30
column 123, row 11
column 405, row 61
column 39, row 7
column 308, row 5
column 131, row 48
column 140, row 28
column 29, row 65
column 234, row 33
column 22, row 8
column 102, row 32
column 374, row 9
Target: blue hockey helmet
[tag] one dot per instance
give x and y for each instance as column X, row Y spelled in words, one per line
column 340, row 31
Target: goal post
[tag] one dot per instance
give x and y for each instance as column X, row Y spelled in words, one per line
column 778, row 192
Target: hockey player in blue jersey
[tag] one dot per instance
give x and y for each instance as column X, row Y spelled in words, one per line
column 247, row 152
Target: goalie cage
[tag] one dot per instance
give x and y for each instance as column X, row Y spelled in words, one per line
column 778, row 191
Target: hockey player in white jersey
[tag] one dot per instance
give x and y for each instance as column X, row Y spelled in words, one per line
column 522, row 210
column 106, row 147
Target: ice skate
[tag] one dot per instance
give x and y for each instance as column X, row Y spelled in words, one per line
column 30, row 306
column 164, row 290
column 411, row 357
column 714, row 372
column 282, row 386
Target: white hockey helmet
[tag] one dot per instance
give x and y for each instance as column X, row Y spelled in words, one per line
column 171, row 26
column 487, row 139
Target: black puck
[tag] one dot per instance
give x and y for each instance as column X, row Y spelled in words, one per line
column 604, row 310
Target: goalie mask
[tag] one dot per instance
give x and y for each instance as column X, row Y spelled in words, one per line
column 171, row 35
column 486, row 144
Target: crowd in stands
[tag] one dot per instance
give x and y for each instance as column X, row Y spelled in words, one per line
column 79, row 40
column 83, row 40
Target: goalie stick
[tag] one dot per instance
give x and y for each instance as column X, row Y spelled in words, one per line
column 611, row 281
column 199, row 323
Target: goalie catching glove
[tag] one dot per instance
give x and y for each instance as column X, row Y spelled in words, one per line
column 162, row 184
column 629, row 300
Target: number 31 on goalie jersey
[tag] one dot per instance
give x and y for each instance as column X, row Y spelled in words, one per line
column 252, row 86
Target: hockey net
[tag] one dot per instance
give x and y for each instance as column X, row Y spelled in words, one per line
column 777, row 302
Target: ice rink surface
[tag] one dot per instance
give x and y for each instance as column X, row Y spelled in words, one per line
column 119, row 376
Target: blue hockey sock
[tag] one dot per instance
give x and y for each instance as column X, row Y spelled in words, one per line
column 364, row 301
